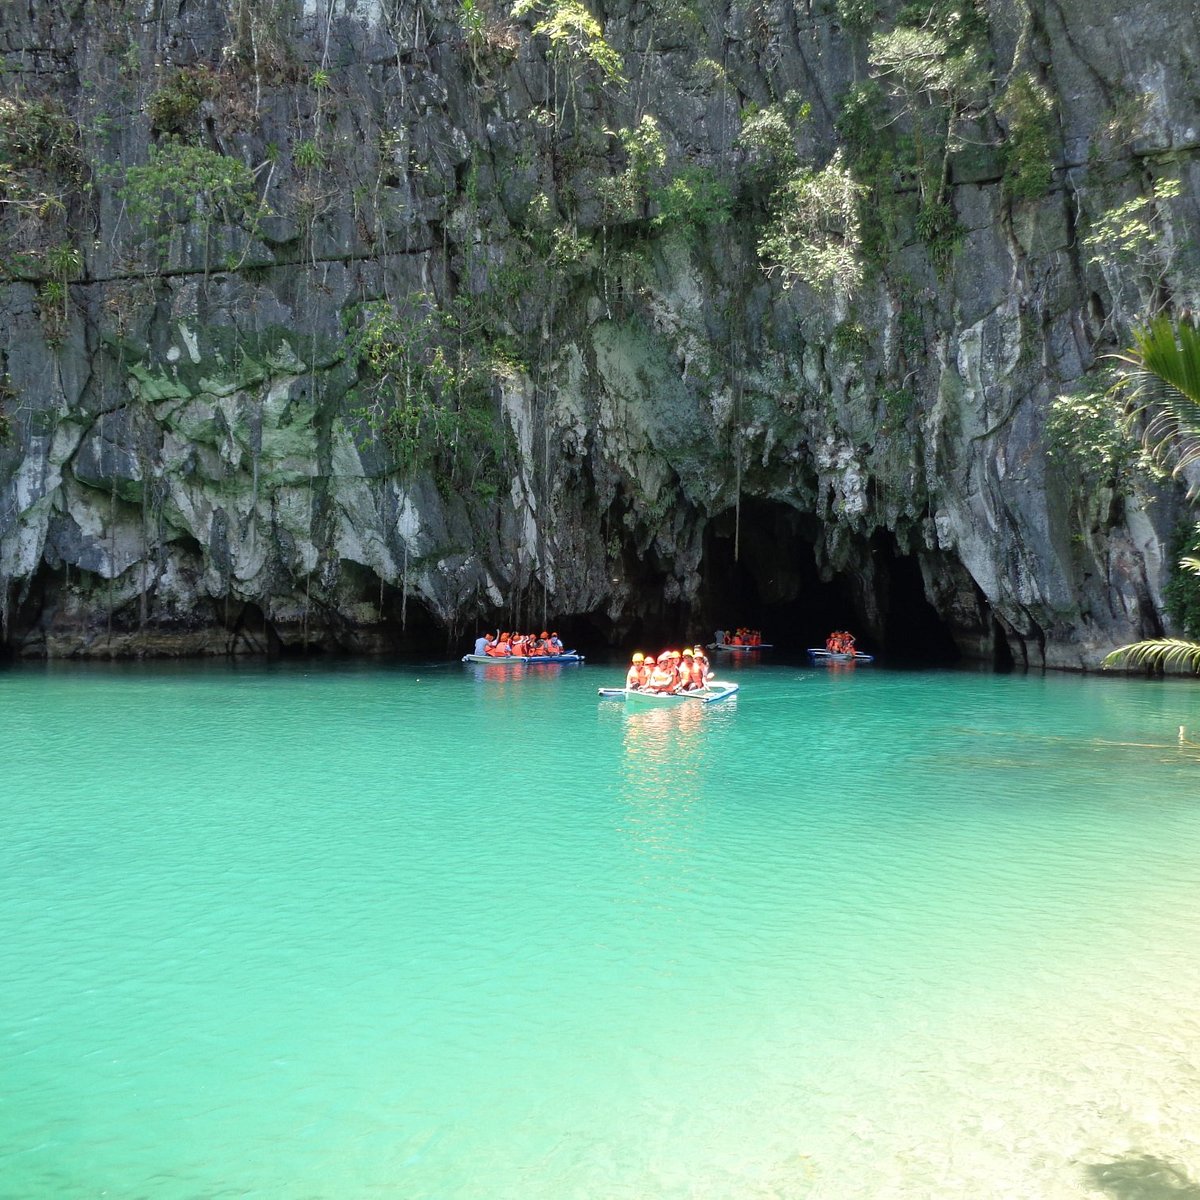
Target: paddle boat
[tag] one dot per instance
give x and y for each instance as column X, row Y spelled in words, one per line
column 742, row 640
column 535, row 660
column 818, row 656
column 712, row 691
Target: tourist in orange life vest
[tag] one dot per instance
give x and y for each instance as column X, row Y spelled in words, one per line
column 688, row 675
column 556, row 646
column 673, row 667
column 635, row 677
column 676, row 668
column 662, row 677
column 840, row 642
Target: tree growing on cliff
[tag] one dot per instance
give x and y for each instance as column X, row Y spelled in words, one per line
column 1137, row 240
column 814, row 236
column 1162, row 386
column 425, row 387
column 934, row 68
column 184, row 188
column 576, row 43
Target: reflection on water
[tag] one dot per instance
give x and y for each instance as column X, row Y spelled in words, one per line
column 663, row 771
column 658, row 769
column 512, row 670
column 840, row 668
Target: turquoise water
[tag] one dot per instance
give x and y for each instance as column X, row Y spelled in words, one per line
column 352, row 930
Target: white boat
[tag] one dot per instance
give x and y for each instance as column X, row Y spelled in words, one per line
column 712, row 691
column 827, row 656
column 529, row 660
column 740, row 649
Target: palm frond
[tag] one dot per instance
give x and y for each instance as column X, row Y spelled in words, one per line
column 1162, row 389
column 1172, row 352
column 1156, row 654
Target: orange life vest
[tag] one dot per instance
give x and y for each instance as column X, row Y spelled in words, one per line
column 661, row 678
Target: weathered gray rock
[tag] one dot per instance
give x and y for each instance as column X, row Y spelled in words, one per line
column 190, row 468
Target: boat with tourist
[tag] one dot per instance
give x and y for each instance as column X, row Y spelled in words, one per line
column 839, row 648
column 527, row 660
column 672, row 676
column 527, row 649
column 738, row 641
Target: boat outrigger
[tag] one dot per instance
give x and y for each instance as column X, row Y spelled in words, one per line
column 738, row 648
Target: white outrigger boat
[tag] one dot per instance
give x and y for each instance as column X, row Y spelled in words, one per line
column 740, row 648
column 712, row 691
column 529, row 660
column 838, row 656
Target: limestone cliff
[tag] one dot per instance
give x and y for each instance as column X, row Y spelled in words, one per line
column 353, row 324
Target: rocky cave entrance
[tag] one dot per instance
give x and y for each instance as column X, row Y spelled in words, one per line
column 774, row 585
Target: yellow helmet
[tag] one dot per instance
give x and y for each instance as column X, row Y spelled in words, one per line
column 638, row 656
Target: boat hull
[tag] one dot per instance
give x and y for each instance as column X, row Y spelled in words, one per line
column 721, row 646
column 831, row 656
column 522, row 660
column 710, row 694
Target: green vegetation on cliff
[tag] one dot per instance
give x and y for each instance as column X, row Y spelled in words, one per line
column 1162, row 395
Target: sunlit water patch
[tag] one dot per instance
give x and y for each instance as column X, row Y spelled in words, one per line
column 348, row 930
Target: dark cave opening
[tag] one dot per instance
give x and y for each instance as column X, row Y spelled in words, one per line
column 760, row 572
column 912, row 630
column 773, row 584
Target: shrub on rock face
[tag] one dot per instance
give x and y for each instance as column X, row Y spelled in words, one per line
column 813, row 237
column 42, row 172
column 175, row 107
column 1027, row 108
column 182, row 184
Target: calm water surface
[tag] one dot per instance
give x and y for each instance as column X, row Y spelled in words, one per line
column 341, row 931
